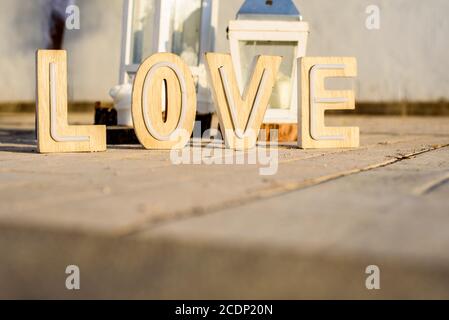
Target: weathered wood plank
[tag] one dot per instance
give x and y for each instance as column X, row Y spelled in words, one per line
column 292, row 246
column 128, row 187
column 140, row 227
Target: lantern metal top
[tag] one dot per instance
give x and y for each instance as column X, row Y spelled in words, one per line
column 269, row 10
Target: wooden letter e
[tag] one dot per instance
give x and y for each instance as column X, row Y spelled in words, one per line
column 315, row 100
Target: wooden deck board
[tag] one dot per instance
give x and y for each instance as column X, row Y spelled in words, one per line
column 325, row 212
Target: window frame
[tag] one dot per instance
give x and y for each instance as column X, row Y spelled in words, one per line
column 209, row 23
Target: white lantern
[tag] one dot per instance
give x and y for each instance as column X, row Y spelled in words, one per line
column 183, row 27
column 270, row 27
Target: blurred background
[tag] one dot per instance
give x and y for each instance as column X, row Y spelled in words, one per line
column 403, row 65
column 140, row 227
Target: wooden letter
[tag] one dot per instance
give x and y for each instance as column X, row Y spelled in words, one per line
column 53, row 132
column 240, row 118
column 315, row 99
column 163, row 70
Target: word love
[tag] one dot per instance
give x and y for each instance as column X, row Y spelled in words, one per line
column 240, row 116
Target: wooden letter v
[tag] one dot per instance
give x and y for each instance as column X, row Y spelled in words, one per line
column 241, row 116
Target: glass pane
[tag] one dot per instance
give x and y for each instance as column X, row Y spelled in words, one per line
column 183, row 39
column 185, row 35
column 142, row 30
column 282, row 91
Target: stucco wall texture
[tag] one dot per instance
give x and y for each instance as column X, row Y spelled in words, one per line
column 405, row 60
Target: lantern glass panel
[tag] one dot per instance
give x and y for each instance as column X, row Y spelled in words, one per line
column 142, row 30
column 282, row 91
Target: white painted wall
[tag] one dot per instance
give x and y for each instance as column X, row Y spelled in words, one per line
column 93, row 51
column 405, row 60
column 20, row 26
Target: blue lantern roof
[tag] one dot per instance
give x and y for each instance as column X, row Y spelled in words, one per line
column 268, row 10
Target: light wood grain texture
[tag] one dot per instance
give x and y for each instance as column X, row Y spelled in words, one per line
column 53, row 132
column 315, row 100
column 154, row 129
column 241, row 117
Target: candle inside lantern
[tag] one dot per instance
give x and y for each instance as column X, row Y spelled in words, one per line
column 280, row 98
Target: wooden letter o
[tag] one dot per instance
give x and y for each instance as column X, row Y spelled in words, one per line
column 152, row 130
